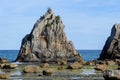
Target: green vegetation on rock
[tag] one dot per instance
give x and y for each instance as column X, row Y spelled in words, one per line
column 48, row 25
column 57, row 18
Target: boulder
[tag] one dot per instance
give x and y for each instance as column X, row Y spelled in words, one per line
column 45, row 65
column 3, row 60
column 111, row 49
column 47, row 72
column 110, row 62
column 4, row 76
column 112, row 75
column 75, row 65
column 47, row 40
column 31, row 69
column 9, row 66
column 101, row 67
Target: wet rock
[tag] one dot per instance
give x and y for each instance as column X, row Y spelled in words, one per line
column 4, row 76
column 111, row 49
column 101, row 67
column 75, row 65
column 47, row 72
column 112, row 75
column 9, row 66
column 47, row 40
column 31, row 69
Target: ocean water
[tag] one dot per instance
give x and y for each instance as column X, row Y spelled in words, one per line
column 87, row 55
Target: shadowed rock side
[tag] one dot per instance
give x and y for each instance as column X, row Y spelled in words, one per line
column 47, row 41
column 111, row 50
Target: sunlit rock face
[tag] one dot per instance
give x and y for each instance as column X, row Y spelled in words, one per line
column 47, row 40
column 111, row 49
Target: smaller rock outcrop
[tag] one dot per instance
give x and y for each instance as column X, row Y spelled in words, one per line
column 75, row 65
column 45, row 65
column 4, row 76
column 101, row 67
column 111, row 49
column 31, row 69
column 61, row 62
column 9, row 66
column 3, row 60
column 112, row 75
column 47, row 72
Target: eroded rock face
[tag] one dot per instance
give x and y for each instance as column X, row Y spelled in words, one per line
column 47, row 40
column 111, row 49
column 112, row 75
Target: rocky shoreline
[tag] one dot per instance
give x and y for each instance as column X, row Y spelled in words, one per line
column 34, row 70
column 46, row 54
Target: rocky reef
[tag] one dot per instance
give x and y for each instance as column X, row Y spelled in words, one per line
column 111, row 49
column 47, row 41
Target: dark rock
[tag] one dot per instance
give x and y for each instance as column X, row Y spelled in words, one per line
column 112, row 75
column 31, row 69
column 9, row 66
column 47, row 40
column 111, row 49
column 47, row 72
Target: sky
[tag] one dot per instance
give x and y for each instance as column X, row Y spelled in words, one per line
column 88, row 23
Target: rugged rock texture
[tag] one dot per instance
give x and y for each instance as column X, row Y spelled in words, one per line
column 47, row 40
column 75, row 65
column 112, row 75
column 111, row 50
column 47, row 72
column 31, row 69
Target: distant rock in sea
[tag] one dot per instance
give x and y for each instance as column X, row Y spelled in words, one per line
column 47, row 41
column 111, row 49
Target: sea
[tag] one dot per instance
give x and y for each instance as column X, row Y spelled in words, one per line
column 87, row 55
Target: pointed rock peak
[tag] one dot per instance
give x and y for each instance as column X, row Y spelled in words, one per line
column 49, row 10
column 47, row 41
column 111, row 49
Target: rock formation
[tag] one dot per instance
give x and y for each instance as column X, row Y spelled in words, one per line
column 47, row 41
column 111, row 50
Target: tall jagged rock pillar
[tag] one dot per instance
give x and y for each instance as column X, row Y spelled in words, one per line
column 111, row 50
column 47, row 40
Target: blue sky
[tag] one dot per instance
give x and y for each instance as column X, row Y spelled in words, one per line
column 87, row 22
